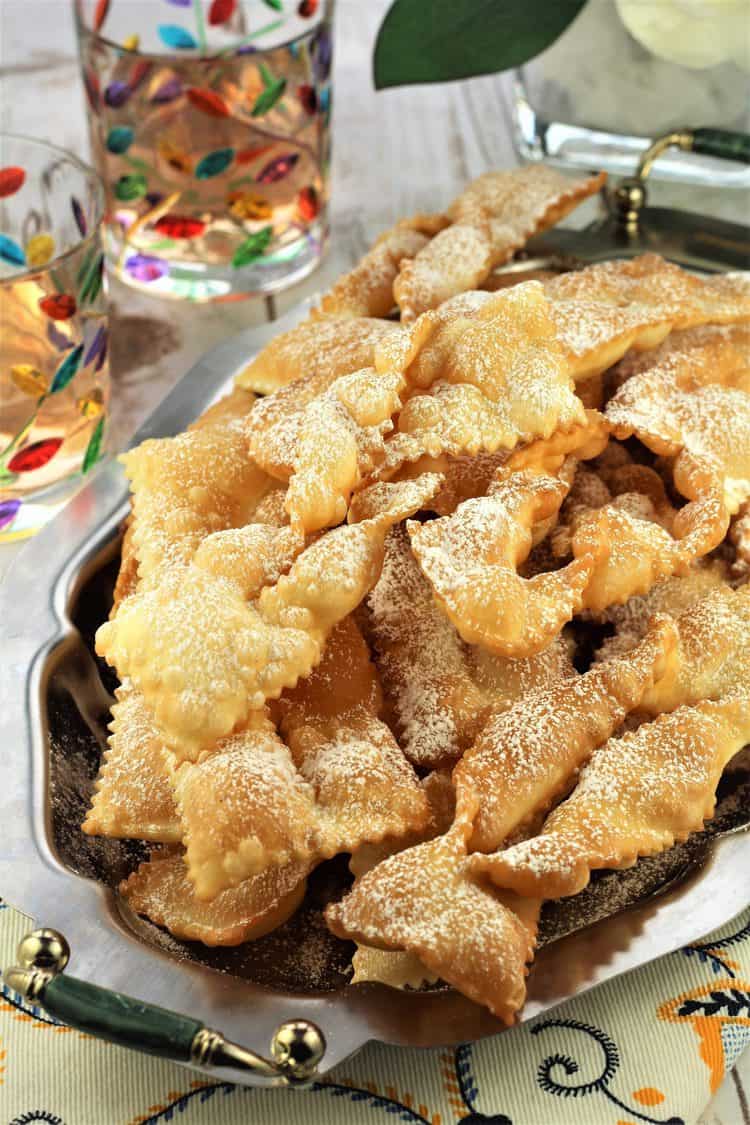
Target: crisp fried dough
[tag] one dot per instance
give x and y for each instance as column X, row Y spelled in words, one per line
column 367, row 290
column 244, row 807
column 397, row 968
column 339, row 442
column 528, row 755
column 127, row 575
column 739, row 535
column 486, row 372
column 340, row 781
column 690, row 401
column 423, row 901
column 712, row 659
column 624, row 519
column 471, row 560
column 638, row 795
column 275, row 432
column 205, row 656
column 439, row 689
column 490, row 220
column 466, row 477
column 604, row 310
column 161, row 890
column 316, row 349
column 236, row 404
column 672, row 595
column 133, row 795
column 186, row 487
column 364, row 788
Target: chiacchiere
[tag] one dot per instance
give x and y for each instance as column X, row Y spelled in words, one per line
column 464, row 596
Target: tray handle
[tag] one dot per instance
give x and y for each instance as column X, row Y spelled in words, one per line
column 722, row 143
column 297, row 1046
column 628, row 198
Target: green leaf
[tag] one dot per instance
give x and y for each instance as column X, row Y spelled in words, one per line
column 267, row 100
column 275, row 4
column 462, row 38
column 92, row 283
column 66, row 370
column 252, row 248
column 131, row 187
column 93, row 449
column 265, row 73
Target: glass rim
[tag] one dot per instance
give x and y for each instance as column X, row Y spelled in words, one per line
column 216, row 56
column 89, row 171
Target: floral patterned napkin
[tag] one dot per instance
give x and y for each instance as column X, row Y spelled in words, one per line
column 651, row 1046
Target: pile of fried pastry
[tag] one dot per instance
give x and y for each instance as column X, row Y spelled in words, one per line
column 352, row 614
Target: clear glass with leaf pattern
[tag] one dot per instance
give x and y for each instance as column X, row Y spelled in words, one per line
column 54, row 377
column 210, row 126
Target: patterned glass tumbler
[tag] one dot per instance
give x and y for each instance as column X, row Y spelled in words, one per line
column 210, row 126
column 54, row 379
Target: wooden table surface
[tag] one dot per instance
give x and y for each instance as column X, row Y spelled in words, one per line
column 395, row 152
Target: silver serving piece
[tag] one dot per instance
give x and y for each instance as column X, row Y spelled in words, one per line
column 52, row 724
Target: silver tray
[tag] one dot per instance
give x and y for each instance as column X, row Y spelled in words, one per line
column 53, row 710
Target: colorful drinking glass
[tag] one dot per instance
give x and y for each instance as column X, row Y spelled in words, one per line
column 54, row 380
column 210, row 126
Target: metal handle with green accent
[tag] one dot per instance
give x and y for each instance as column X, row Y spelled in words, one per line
column 297, row 1046
column 120, row 1019
column 722, row 143
column 627, row 199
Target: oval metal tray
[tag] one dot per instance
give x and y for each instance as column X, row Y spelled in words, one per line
column 53, row 713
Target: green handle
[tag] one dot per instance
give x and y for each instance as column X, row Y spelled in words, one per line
column 120, row 1019
column 723, row 143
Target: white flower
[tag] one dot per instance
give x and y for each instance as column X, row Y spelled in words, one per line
column 692, row 33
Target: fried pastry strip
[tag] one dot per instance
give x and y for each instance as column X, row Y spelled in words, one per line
column 604, row 310
column 275, row 433
column 321, row 350
column 638, row 795
column 494, row 216
column 424, row 901
column 466, row 477
column 440, row 690
column 127, row 575
column 341, row 779
column 471, row 560
column 205, row 655
column 364, row 788
column 393, row 967
column 486, row 372
column 367, row 290
column 229, row 408
column 133, row 795
column 672, row 595
column 340, row 438
column 244, row 808
column 397, row 968
column 712, row 659
column 624, row 519
column 161, row 890
column 186, row 487
column 690, row 401
column 526, row 756
column 739, row 535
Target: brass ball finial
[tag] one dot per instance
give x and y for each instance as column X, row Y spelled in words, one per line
column 44, row 949
column 298, row 1047
column 628, row 200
